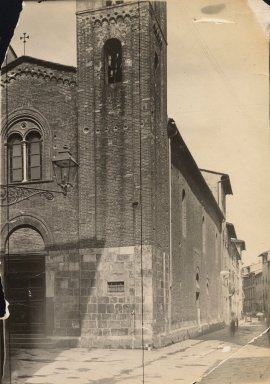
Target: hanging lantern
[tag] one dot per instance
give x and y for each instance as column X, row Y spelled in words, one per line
column 65, row 170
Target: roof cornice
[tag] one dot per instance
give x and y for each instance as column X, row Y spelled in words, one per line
column 31, row 66
column 194, row 171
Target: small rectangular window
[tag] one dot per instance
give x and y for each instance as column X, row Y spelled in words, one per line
column 116, row 287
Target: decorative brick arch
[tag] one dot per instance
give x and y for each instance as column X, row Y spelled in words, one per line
column 26, row 221
column 12, row 124
column 27, row 114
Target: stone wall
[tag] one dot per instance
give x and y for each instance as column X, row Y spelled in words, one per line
column 111, row 296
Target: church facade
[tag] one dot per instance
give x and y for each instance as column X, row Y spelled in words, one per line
column 132, row 256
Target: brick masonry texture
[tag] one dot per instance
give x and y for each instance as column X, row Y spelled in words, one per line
column 45, row 95
column 114, row 225
column 188, row 257
column 122, row 128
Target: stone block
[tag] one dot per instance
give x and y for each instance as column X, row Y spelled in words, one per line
column 110, row 308
column 102, row 308
column 103, row 299
column 119, row 331
column 92, row 308
column 90, row 258
column 113, row 300
column 118, row 308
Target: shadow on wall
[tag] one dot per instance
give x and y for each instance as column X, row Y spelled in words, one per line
column 44, row 286
column 64, row 309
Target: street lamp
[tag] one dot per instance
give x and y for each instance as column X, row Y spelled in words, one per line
column 65, row 171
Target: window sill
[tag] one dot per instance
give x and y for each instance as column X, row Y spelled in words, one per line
column 22, row 183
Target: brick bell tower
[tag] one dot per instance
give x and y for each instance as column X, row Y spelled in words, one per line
column 123, row 173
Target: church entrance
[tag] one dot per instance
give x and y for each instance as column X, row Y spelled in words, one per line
column 25, row 282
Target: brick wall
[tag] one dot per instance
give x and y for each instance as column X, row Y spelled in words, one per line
column 117, row 126
column 25, row 240
column 45, row 94
column 124, row 152
column 197, row 249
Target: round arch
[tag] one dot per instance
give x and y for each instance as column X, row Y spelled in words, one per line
column 28, row 221
column 29, row 114
column 23, row 121
column 24, row 240
column 25, row 274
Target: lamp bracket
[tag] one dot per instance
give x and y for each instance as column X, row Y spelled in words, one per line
column 11, row 194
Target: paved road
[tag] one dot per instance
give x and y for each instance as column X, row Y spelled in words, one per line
column 187, row 362
column 249, row 364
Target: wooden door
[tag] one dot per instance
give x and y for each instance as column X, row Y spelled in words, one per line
column 25, row 282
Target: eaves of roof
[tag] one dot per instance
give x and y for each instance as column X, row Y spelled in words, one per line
column 191, row 168
column 34, row 60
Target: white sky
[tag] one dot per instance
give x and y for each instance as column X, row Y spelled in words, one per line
column 218, row 92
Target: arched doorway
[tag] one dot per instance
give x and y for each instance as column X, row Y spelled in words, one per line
column 25, row 281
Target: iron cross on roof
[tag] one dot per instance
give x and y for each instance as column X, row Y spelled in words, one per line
column 24, row 38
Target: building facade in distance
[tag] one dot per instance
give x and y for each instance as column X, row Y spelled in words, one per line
column 265, row 259
column 232, row 248
column 254, row 289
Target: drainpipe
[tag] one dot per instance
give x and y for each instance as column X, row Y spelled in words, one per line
column 170, row 232
column 172, row 131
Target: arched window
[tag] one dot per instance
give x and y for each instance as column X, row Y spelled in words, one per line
column 207, row 286
column 203, row 236
column 184, row 214
column 197, row 285
column 156, row 61
column 25, row 157
column 33, row 142
column 16, row 164
column 113, row 61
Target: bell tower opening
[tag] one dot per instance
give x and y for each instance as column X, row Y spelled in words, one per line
column 113, row 61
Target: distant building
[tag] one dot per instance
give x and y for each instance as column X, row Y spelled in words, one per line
column 249, row 290
column 220, row 185
column 258, row 299
column 10, row 55
column 265, row 259
column 253, row 288
column 232, row 248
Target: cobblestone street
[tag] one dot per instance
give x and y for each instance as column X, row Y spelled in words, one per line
column 214, row 358
column 248, row 364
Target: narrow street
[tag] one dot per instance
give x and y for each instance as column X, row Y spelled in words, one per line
column 213, row 358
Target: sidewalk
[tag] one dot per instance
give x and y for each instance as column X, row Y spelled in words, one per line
column 184, row 362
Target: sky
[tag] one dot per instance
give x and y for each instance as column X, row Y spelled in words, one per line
column 218, row 92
